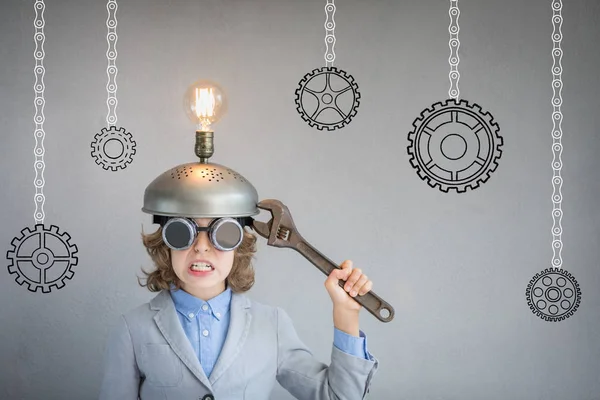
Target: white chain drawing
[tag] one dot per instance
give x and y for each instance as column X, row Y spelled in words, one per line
column 557, row 147
column 41, row 258
column 454, row 44
column 111, row 70
column 39, row 118
column 329, row 34
column 554, row 294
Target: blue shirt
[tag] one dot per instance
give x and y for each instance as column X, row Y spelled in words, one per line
column 206, row 323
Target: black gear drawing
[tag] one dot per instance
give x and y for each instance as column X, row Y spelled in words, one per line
column 553, row 294
column 127, row 148
column 469, row 136
column 327, row 98
column 42, row 258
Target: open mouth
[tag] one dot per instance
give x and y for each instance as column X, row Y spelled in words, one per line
column 201, row 267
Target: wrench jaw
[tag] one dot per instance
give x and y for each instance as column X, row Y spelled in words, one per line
column 281, row 237
column 279, row 230
column 284, row 237
column 262, row 228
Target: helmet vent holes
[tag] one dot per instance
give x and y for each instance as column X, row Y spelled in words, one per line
column 178, row 172
column 208, row 173
column 211, row 174
column 235, row 175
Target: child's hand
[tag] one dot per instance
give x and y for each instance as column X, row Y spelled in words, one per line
column 357, row 283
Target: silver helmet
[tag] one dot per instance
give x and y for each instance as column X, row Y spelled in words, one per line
column 201, row 190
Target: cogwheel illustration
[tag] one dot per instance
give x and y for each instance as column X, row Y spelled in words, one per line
column 327, row 98
column 121, row 154
column 455, row 145
column 553, row 294
column 42, row 258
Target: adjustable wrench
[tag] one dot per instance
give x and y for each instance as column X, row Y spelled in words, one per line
column 281, row 232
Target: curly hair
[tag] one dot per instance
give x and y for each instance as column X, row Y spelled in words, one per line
column 240, row 279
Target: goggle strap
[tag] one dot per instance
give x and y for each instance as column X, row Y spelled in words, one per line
column 159, row 219
column 162, row 220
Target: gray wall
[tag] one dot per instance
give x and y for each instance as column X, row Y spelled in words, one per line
column 455, row 266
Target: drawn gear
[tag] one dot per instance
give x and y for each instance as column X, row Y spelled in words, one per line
column 327, row 112
column 42, row 258
column 127, row 148
column 454, row 145
column 553, row 294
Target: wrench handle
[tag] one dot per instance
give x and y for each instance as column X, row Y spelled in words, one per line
column 381, row 309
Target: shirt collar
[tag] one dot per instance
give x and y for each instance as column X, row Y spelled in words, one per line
column 187, row 304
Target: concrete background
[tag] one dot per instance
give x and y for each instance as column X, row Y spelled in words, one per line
column 454, row 266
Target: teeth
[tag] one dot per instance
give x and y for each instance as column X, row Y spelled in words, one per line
column 201, row 267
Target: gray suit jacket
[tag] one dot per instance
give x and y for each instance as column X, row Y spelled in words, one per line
column 149, row 356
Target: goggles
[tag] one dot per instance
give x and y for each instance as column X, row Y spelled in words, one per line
column 225, row 234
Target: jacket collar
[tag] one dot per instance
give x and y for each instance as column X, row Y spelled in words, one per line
column 168, row 323
column 187, row 304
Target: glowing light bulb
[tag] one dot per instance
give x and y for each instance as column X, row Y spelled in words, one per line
column 204, row 104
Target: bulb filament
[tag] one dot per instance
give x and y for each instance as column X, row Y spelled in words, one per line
column 205, row 106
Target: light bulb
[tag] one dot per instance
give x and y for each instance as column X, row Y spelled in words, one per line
column 204, row 104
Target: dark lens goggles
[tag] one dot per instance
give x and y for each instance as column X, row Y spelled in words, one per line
column 180, row 233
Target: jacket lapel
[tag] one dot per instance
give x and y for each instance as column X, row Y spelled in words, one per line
column 170, row 327
column 239, row 327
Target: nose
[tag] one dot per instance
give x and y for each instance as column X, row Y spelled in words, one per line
column 202, row 242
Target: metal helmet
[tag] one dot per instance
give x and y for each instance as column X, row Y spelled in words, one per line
column 201, row 190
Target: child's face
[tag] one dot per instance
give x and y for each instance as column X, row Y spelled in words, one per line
column 204, row 285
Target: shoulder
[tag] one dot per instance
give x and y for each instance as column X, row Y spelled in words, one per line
column 256, row 307
column 145, row 311
column 138, row 323
column 274, row 314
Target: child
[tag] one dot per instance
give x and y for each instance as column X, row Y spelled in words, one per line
column 201, row 337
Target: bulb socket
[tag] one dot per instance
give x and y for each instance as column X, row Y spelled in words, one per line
column 204, row 145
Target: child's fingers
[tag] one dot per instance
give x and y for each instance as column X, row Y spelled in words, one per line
column 354, row 290
column 345, row 270
column 354, row 277
column 337, row 274
column 366, row 288
column 340, row 273
column 347, row 264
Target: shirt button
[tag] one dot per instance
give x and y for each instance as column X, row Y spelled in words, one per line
column 191, row 315
column 205, row 307
column 205, row 332
column 218, row 315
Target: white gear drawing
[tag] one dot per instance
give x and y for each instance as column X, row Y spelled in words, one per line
column 459, row 125
column 327, row 98
column 553, row 294
column 42, row 258
column 109, row 161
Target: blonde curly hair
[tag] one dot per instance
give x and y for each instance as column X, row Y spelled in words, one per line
column 240, row 279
